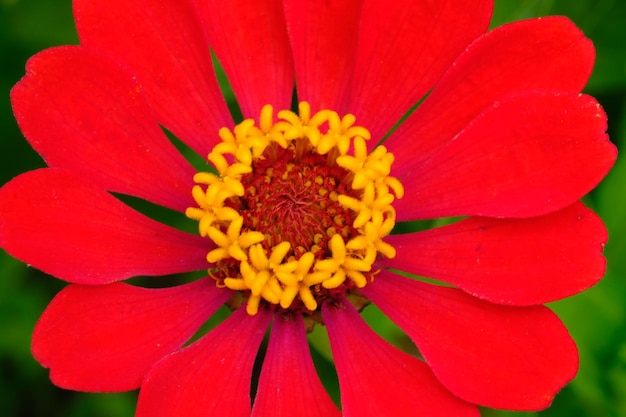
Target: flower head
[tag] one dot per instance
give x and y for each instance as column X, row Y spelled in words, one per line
column 302, row 215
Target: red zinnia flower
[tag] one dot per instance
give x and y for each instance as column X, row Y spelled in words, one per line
column 295, row 219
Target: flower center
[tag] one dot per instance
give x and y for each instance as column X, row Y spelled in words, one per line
column 298, row 209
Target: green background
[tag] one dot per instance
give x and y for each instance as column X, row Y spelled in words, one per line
column 595, row 318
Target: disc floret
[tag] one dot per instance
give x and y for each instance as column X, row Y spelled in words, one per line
column 297, row 209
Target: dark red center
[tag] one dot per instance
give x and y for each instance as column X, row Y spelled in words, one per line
column 294, row 199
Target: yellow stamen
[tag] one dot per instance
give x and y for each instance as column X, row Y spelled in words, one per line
column 342, row 252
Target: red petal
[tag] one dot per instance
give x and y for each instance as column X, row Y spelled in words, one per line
column 377, row 379
column 498, row 356
column 210, row 377
column 289, row 385
column 61, row 224
column 250, row 40
column 530, row 154
column 162, row 41
column 99, row 127
column 106, row 338
column 547, row 54
column 323, row 39
column 404, row 48
column 523, row 262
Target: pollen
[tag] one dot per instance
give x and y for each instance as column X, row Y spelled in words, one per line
column 297, row 209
